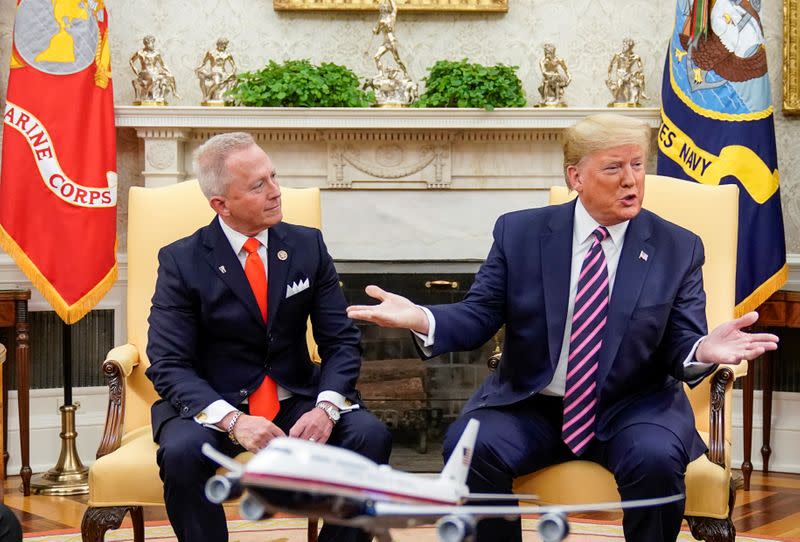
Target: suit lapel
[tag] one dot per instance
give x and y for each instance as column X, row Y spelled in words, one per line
column 634, row 263
column 226, row 265
column 555, row 258
column 279, row 255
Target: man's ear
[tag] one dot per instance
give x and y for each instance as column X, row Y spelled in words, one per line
column 220, row 205
column 574, row 178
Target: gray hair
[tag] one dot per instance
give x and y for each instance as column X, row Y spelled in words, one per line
column 603, row 131
column 208, row 160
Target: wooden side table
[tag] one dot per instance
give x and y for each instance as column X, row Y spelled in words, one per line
column 781, row 310
column 14, row 313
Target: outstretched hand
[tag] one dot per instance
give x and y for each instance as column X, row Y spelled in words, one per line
column 393, row 311
column 728, row 344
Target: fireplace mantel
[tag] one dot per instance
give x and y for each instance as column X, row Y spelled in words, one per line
column 334, row 118
column 372, row 148
column 399, row 184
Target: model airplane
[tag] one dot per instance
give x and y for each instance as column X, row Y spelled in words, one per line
column 342, row 487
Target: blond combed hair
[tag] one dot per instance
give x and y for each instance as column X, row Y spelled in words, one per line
column 603, row 131
column 208, row 160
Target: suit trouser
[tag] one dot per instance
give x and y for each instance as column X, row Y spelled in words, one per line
column 185, row 470
column 647, row 461
column 10, row 529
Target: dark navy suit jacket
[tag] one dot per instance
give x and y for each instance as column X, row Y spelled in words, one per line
column 656, row 314
column 208, row 341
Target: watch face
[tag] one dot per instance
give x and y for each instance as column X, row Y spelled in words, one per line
column 332, row 412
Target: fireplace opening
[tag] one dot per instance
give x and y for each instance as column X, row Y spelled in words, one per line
column 416, row 399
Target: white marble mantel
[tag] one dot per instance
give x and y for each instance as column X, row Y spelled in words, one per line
column 342, row 118
column 399, row 184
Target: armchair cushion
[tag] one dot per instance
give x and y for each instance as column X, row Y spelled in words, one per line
column 706, row 485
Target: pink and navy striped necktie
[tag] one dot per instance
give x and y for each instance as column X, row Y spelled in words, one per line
column 586, row 338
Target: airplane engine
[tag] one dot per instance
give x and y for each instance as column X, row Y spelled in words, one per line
column 221, row 488
column 251, row 509
column 455, row 528
column 553, row 527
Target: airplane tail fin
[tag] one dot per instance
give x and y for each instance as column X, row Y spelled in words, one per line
column 457, row 466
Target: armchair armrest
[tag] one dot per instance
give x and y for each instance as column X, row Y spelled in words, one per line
column 721, row 381
column 118, row 365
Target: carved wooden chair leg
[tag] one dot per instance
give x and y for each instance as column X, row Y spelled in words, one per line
column 716, row 530
column 96, row 521
column 313, row 529
column 137, row 517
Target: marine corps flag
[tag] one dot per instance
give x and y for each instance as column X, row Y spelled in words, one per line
column 717, row 127
column 58, row 181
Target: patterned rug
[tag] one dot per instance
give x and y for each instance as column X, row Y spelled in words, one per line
column 294, row 530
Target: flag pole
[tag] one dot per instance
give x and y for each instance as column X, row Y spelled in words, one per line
column 69, row 476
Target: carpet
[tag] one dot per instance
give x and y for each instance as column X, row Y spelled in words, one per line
column 294, row 530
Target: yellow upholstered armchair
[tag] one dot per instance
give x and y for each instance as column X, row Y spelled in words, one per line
column 125, row 476
column 712, row 213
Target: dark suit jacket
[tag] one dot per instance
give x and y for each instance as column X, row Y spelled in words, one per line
column 208, row 341
column 656, row 314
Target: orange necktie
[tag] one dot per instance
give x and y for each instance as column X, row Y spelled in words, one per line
column 263, row 401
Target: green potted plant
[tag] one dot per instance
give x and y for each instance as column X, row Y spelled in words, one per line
column 463, row 84
column 299, row 83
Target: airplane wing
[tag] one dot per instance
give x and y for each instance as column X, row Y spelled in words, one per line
column 235, row 468
column 500, row 497
column 483, row 511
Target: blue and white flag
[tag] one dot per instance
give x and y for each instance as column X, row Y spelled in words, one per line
column 717, row 128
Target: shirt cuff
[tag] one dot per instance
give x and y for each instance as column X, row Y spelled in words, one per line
column 340, row 401
column 698, row 370
column 426, row 341
column 691, row 362
column 213, row 414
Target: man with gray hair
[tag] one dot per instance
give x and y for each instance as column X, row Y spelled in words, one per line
column 604, row 310
column 227, row 340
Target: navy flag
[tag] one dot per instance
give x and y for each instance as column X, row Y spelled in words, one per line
column 717, row 128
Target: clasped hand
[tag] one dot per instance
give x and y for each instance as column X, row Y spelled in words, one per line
column 255, row 432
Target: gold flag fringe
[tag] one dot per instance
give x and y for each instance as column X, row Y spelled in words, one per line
column 762, row 293
column 102, row 62
column 68, row 313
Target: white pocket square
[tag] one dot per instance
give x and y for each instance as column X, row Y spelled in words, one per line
column 296, row 288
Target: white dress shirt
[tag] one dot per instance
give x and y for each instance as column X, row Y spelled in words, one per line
column 220, row 408
column 582, row 239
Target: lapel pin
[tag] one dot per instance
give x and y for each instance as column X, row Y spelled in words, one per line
column 643, row 255
column 222, row 269
column 282, row 254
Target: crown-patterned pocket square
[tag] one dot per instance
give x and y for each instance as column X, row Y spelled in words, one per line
column 296, row 287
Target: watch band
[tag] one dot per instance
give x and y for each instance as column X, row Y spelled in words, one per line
column 332, row 412
column 232, row 424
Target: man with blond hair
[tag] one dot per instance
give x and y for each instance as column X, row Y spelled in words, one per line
column 604, row 310
column 227, row 340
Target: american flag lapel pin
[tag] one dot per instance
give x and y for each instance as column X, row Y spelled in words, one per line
column 222, row 269
column 643, row 255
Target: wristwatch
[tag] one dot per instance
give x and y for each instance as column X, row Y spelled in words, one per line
column 330, row 410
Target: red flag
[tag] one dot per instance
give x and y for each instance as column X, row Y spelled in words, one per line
column 58, row 182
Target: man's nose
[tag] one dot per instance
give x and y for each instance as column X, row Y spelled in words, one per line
column 628, row 176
